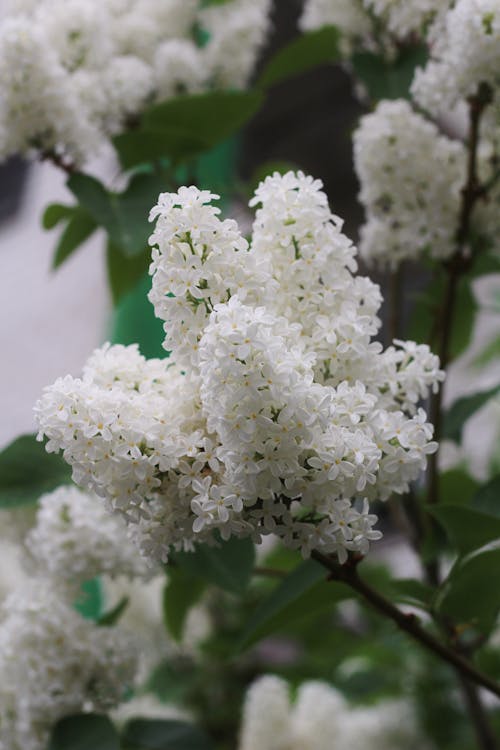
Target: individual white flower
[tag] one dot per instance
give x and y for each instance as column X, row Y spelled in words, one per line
column 411, row 179
column 55, row 663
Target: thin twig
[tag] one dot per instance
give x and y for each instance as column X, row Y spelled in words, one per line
column 407, row 622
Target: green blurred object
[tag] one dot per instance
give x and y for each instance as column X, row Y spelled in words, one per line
column 133, row 319
column 90, row 602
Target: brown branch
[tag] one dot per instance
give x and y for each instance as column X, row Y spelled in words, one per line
column 59, row 161
column 269, row 572
column 455, row 267
column 407, row 622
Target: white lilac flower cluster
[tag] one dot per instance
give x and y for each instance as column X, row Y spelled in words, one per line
column 466, row 54
column 75, row 539
column 54, row 662
column 372, row 24
column 320, row 719
column 75, row 72
column 349, row 16
column 411, row 180
column 276, row 413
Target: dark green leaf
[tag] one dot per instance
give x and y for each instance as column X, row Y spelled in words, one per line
column 208, row 118
column 55, row 213
column 156, row 734
column 124, row 216
column 112, row 617
column 27, row 471
column 124, row 272
column 84, row 732
column 303, row 53
column 467, row 529
column 470, row 596
column 78, row 229
column 456, row 487
column 228, row 566
column 149, row 145
column 94, row 198
column 462, row 409
column 389, row 79
column 181, row 592
column 302, row 593
column 487, row 498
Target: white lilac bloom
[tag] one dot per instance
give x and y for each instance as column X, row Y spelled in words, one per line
column 276, row 412
column 73, row 73
column 465, row 54
column 320, row 719
column 404, row 17
column 75, row 539
column 411, row 180
column 236, row 32
column 348, row 16
column 54, row 663
column 373, row 24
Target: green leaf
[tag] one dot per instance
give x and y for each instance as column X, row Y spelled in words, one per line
column 124, row 216
column 113, row 615
column 470, row 596
column 413, row 592
column 456, row 487
column 389, row 79
column 28, row 471
column 228, row 566
column 149, row 144
column 124, row 272
column 487, row 498
column 303, row 53
column 90, row 601
column 84, row 732
column 156, row 734
column 466, row 528
column 210, row 117
column 302, row 593
column 181, row 592
column 462, row 409
column 55, row 213
column 78, row 229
